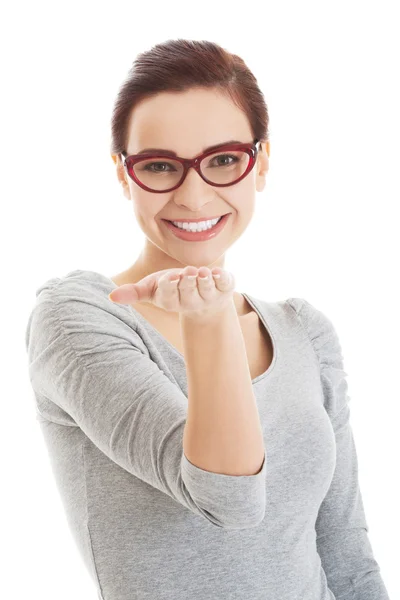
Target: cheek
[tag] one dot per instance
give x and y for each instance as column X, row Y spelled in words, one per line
column 147, row 210
column 241, row 199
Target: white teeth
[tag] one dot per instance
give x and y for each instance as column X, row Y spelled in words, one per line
column 200, row 226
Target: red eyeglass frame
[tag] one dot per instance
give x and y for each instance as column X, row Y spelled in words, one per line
column 251, row 149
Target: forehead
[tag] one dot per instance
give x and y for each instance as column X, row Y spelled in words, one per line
column 186, row 122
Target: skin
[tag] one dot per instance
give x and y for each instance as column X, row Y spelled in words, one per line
column 186, row 122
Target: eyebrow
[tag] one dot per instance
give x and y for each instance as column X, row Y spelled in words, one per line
column 165, row 152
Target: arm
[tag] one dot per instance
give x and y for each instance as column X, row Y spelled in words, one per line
column 223, row 432
column 341, row 527
column 90, row 368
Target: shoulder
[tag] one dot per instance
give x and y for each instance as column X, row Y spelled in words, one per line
column 75, row 284
column 78, row 303
column 320, row 330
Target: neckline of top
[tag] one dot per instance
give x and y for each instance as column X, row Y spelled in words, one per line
column 252, row 301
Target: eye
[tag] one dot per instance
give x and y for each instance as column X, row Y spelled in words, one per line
column 147, row 167
column 225, row 156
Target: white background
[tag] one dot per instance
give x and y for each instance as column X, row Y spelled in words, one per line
column 325, row 227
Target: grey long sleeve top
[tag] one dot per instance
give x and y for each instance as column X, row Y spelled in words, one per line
column 111, row 398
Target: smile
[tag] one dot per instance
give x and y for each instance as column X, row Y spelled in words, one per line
column 206, row 231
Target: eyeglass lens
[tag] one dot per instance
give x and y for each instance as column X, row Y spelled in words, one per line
column 161, row 173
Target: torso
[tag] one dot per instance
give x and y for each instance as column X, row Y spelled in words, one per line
column 257, row 339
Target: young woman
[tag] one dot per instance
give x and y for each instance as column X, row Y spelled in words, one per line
column 200, row 437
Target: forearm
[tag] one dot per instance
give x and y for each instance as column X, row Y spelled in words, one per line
column 223, row 432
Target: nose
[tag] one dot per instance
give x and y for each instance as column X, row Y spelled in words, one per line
column 193, row 192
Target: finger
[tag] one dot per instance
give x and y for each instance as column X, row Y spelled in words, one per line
column 168, row 284
column 128, row 293
column 141, row 291
column 188, row 282
column 125, row 294
column 216, row 273
column 206, row 283
column 225, row 282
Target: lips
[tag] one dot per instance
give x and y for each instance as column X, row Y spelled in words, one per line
column 198, row 236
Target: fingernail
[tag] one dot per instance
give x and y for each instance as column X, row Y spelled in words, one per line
column 216, row 275
column 206, row 277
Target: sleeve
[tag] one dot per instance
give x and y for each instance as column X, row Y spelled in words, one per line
column 85, row 358
column 341, row 528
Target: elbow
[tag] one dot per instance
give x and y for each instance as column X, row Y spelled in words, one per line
column 238, row 517
column 226, row 501
column 248, row 523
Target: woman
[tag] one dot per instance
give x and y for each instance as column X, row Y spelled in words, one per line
column 200, row 437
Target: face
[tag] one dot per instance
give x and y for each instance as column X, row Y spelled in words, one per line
column 187, row 122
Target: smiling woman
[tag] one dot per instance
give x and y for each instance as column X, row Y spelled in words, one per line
column 200, row 437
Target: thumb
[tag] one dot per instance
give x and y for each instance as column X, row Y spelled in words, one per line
column 128, row 293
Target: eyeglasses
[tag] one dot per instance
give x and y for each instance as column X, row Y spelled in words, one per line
column 220, row 167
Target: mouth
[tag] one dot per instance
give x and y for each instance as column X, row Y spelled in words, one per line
column 192, row 234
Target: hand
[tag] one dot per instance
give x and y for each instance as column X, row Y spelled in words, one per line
column 194, row 297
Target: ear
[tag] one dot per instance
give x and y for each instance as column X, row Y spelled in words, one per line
column 262, row 166
column 122, row 176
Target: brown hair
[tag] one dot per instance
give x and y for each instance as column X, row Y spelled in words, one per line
column 178, row 65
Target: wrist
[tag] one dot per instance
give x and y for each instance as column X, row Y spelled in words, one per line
column 211, row 315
